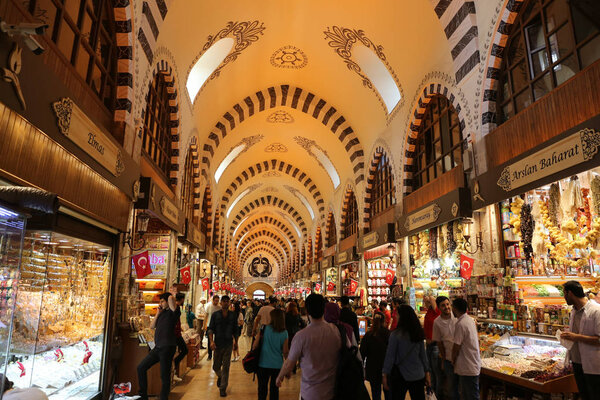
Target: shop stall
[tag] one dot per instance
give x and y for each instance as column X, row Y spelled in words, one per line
column 348, row 263
column 332, row 276
column 378, row 248
column 316, row 278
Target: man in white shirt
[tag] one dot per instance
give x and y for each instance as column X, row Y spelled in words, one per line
column 443, row 335
column 200, row 317
column 210, row 309
column 584, row 331
column 465, row 352
column 264, row 316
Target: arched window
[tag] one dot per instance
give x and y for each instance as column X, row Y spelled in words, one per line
column 350, row 222
column 550, row 41
column 439, row 143
column 215, row 232
column 187, row 190
column 310, row 252
column 156, row 140
column 382, row 193
column 318, row 244
column 84, row 32
column 205, row 215
column 331, row 231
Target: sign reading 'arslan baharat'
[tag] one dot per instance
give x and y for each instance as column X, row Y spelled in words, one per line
column 572, row 150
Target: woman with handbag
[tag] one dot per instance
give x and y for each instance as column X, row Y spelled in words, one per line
column 373, row 347
column 406, row 367
column 274, row 348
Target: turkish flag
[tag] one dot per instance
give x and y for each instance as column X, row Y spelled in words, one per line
column 216, row 285
column 318, row 287
column 390, row 273
column 330, row 286
column 205, row 284
column 186, row 275
column 466, row 266
column 353, row 287
column 141, row 262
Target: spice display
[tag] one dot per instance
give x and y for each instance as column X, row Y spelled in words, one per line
column 527, row 230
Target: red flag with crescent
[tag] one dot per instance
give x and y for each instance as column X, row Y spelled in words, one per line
column 216, row 285
column 205, row 284
column 353, row 287
column 141, row 262
column 186, row 275
column 330, row 286
column 466, row 266
column 318, row 287
column 390, row 273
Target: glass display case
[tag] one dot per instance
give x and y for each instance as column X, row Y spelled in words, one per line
column 12, row 229
column 57, row 340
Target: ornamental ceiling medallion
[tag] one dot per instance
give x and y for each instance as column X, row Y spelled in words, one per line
column 248, row 141
column 271, row 174
column 276, row 148
column 342, row 39
column 270, row 189
column 289, row 57
column 280, row 117
column 244, row 33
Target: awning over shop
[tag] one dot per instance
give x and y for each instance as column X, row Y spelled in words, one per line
column 30, row 198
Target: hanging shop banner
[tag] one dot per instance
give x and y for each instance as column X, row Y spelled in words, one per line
column 390, row 274
column 453, row 205
column 186, row 275
column 382, row 235
column 346, row 256
column 466, row 266
column 573, row 151
column 157, row 249
column 318, row 287
column 141, row 264
column 205, row 284
column 353, row 287
column 216, row 286
column 157, row 202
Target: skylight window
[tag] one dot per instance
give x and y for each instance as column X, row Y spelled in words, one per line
column 328, row 165
column 227, row 160
column 379, row 75
column 237, row 199
column 207, row 64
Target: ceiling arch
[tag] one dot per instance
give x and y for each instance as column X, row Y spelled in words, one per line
column 263, row 247
column 268, row 200
column 281, row 167
column 263, row 221
column 296, row 98
column 276, row 236
column 267, row 241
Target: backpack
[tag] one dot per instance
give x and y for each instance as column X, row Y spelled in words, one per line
column 251, row 359
column 349, row 381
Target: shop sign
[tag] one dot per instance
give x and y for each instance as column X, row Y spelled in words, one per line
column 342, row 257
column 169, row 210
column 325, row 263
column 370, row 240
column 577, row 148
column 74, row 124
column 423, row 217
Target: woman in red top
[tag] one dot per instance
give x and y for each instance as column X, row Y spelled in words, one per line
column 395, row 304
column 388, row 316
column 433, row 351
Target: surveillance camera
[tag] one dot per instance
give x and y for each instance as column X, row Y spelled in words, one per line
column 33, row 45
column 23, row 28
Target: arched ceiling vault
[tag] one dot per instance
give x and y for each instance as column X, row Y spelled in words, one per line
column 259, row 248
column 266, row 222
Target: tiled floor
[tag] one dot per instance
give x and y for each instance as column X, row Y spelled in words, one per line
column 200, row 382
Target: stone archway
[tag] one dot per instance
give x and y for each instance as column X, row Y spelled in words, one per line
column 265, row 287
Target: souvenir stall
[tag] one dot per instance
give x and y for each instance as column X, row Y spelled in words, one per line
column 549, row 203
column 348, row 263
column 332, row 277
column 316, row 278
column 380, row 262
column 206, row 274
column 437, row 241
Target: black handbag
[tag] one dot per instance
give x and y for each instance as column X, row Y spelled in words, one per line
column 251, row 359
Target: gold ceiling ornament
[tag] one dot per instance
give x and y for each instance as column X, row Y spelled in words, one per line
column 342, row 39
column 289, row 57
column 276, row 148
column 280, row 117
column 308, row 144
column 11, row 74
column 271, row 174
column 270, row 189
column 244, row 33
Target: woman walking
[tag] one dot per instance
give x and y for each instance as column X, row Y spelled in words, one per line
column 373, row 347
column 293, row 323
column 274, row 349
column 237, row 310
column 405, row 367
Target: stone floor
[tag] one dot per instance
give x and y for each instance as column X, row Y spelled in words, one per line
column 200, row 382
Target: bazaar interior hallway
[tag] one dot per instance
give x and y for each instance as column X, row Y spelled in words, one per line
column 200, row 383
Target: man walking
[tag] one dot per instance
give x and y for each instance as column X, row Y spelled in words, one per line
column 443, row 335
column 181, row 345
column 465, row 352
column 200, row 317
column 584, row 332
column 348, row 316
column 318, row 348
column 263, row 317
column 165, row 345
column 210, row 310
column 223, row 338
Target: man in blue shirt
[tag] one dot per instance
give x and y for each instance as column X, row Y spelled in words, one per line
column 223, row 338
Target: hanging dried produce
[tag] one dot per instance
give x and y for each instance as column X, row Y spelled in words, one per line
column 515, row 219
column 433, row 236
column 595, row 186
column 586, row 213
column 527, row 230
column 554, row 204
column 450, row 241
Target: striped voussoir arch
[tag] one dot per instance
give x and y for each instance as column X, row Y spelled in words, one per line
column 266, row 201
column 207, row 205
column 193, row 153
column 459, row 21
column 296, row 98
column 123, row 15
column 379, row 152
column 310, row 254
column 154, row 13
column 258, row 231
column 330, row 222
column 411, row 139
column 490, row 89
column 273, row 165
column 265, row 235
column 267, row 220
column 347, row 195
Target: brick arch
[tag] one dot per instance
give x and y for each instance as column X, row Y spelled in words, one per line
column 329, row 224
column 193, row 153
column 310, row 253
column 262, row 247
column 268, row 289
column 349, row 191
column 272, row 201
column 510, row 11
column 318, row 242
column 163, row 67
column 259, row 233
column 268, row 220
column 273, row 165
column 154, row 13
column 123, row 14
column 284, row 257
column 298, row 99
column 411, row 138
column 377, row 155
column 459, row 22
column 207, row 204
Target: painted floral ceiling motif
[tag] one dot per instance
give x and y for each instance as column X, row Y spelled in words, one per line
column 276, row 148
column 289, row 57
column 271, row 174
column 280, row 117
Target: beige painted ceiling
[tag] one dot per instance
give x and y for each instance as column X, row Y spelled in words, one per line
column 413, row 44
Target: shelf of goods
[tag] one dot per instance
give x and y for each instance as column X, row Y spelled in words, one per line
column 377, row 288
column 57, row 340
column 530, row 362
column 151, row 286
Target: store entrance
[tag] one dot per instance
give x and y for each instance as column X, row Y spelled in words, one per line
column 258, row 294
